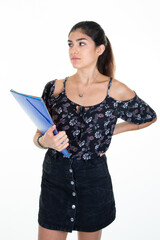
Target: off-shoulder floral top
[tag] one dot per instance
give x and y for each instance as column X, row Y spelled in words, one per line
column 90, row 131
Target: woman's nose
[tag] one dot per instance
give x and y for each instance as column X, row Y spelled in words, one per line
column 74, row 50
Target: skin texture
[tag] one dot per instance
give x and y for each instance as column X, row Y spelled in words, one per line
column 87, row 77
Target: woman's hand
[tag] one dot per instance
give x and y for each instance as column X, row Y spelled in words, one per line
column 102, row 154
column 50, row 140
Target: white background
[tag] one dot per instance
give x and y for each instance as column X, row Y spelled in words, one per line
column 33, row 51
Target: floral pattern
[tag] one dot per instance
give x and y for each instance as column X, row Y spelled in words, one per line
column 90, row 132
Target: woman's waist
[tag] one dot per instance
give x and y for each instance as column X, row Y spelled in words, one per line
column 79, row 156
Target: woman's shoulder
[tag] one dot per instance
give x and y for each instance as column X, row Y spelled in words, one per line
column 120, row 91
column 59, row 85
column 55, row 86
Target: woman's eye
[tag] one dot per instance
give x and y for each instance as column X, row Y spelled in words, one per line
column 82, row 43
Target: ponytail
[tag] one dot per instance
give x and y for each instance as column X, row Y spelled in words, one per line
column 106, row 63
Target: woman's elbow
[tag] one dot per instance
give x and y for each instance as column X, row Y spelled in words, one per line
column 154, row 120
column 147, row 123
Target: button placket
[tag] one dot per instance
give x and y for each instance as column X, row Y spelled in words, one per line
column 72, row 182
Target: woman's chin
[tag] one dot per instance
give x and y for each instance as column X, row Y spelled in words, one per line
column 76, row 66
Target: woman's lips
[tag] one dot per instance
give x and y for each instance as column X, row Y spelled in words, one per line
column 75, row 58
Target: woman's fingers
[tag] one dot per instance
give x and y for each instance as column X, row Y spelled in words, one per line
column 102, row 154
column 62, row 146
column 63, row 142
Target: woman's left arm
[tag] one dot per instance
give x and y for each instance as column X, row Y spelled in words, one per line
column 127, row 126
column 136, row 113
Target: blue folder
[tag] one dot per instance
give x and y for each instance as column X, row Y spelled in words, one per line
column 38, row 113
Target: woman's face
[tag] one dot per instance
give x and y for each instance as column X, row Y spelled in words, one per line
column 82, row 50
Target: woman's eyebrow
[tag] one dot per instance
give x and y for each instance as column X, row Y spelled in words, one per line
column 79, row 39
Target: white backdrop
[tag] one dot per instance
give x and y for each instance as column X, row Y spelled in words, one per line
column 33, row 51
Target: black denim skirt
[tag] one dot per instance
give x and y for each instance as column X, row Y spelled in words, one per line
column 75, row 194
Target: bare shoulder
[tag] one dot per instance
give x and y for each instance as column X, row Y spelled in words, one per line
column 120, row 91
column 59, row 85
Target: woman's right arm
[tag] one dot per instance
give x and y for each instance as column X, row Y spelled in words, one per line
column 49, row 140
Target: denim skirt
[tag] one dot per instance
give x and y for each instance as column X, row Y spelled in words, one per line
column 75, row 194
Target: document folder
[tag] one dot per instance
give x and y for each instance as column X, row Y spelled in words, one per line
column 38, row 113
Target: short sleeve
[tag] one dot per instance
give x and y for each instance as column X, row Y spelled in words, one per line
column 136, row 111
column 47, row 93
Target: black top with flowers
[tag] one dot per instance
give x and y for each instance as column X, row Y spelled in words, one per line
column 90, row 132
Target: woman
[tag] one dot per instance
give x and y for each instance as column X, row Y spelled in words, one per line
column 76, row 192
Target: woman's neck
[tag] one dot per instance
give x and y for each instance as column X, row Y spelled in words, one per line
column 86, row 77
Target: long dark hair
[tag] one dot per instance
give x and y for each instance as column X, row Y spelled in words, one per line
column 105, row 63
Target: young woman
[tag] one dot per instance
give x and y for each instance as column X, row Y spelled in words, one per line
column 76, row 192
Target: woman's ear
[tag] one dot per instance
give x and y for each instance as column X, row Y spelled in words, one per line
column 100, row 49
